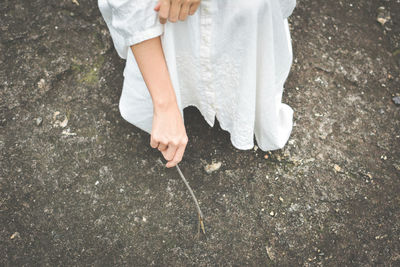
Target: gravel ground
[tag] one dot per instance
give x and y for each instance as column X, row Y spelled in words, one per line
column 81, row 186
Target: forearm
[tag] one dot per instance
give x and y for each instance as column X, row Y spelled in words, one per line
column 150, row 58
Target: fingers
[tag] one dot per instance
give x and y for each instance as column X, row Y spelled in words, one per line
column 158, row 143
column 162, row 147
column 178, row 156
column 184, row 11
column 168, row 149
column 194, row 7
column 174, row 11
column 157, row 7
column 153, row 142
column 164, row 11
column 169, row 153
column 172, row 152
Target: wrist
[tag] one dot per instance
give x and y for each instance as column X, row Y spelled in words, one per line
column 164, row 103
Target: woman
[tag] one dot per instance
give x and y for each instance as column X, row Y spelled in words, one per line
column 230, row 59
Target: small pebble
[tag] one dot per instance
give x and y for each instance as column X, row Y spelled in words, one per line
column 64, row 122
column 380, row 236
column 39, row 121
column 270, row 252
column 272, row 213
column 396, row 100
column 397, row 166
column 337, row 168
column 383, row 15
column 14, row 235
column 41, row 84
column 55, row 114
column 209, row 168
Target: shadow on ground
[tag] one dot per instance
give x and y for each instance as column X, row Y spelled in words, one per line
column 79, row 185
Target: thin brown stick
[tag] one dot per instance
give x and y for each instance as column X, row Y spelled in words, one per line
column 201, row 217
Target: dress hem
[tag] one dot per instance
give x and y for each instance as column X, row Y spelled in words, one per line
column 234, row 144
column 249, row 146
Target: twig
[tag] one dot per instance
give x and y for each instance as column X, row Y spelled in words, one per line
column 201, row 217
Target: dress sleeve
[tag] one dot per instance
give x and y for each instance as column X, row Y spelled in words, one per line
column 130, row 22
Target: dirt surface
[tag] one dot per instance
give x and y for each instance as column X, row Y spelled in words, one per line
column 80, row 186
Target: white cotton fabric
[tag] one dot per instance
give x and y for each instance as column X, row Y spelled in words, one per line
column 230, row 60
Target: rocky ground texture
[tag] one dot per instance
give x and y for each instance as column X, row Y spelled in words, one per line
column 79, row 185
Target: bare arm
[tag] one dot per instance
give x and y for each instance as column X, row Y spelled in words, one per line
column 168, row 132
column 150, row 59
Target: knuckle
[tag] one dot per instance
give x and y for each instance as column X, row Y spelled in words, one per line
column 185, row 140
column 174, row 142
column 162, row 141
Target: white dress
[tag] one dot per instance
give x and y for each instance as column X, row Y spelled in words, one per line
column 230, row 60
